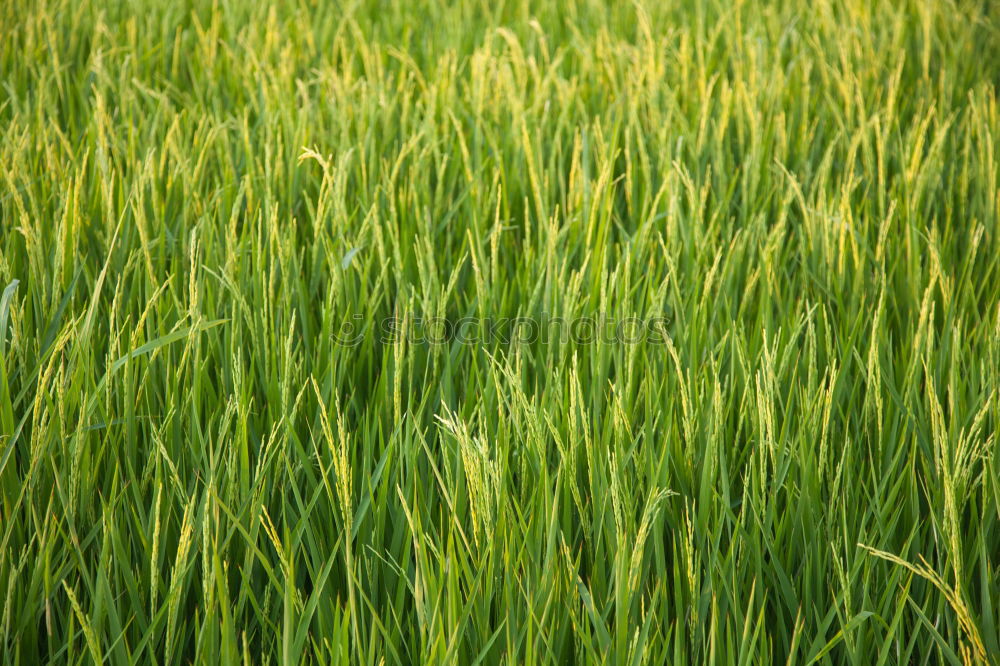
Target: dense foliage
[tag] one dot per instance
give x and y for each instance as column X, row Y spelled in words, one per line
column 797, row 462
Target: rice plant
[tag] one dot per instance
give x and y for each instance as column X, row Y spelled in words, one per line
column 508, row 332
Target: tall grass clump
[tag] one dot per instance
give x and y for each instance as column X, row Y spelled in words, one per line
column 229, row 434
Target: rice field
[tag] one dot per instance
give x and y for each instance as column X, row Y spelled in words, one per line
column 499, row 332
